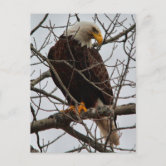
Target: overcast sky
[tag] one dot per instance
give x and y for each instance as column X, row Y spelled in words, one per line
column 128, row 138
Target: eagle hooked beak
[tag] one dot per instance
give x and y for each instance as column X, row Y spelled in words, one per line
column 98, row 37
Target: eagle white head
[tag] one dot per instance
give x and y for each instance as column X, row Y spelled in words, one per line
column 83, row 32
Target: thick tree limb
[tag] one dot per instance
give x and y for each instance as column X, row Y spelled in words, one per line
column 125, row 109
column 61, row 120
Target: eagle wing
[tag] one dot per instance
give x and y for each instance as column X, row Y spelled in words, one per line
column 99, row 75
column 90, row 63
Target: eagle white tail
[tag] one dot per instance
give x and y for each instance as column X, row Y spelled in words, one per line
column 104, row 126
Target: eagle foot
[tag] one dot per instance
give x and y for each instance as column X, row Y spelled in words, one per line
column 80, row 108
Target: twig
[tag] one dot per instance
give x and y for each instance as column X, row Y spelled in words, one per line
column 40, row 78
column 88, row 140
column 38, row 26
column 48, row 95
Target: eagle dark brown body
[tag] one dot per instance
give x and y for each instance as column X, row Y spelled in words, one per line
column 81, row 58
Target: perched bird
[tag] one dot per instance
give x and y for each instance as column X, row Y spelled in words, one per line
column 83, row 73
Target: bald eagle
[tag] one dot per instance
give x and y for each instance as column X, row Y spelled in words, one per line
column 73, row 54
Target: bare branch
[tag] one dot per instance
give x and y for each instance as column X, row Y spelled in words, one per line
column 61, row 120
column 40, row 78
column 48, row 95
column 99, row 147
column 38, row 26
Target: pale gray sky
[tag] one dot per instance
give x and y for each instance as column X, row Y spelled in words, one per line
column 128, row 138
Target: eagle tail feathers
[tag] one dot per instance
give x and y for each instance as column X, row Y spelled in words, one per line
column 104, row 126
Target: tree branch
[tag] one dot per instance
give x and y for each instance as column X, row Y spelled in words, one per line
column 61, row 120
column 48, row 95
column 40, row 78
column 33, row 30
column 126, row 109
column 99, row 147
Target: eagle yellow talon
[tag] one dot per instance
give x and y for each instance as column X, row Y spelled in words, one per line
column 71, row 108
column 80, row 108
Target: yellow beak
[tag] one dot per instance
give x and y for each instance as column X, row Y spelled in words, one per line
column 98, row 37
